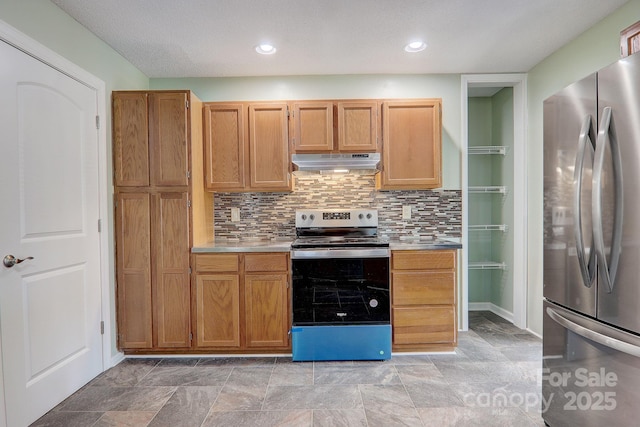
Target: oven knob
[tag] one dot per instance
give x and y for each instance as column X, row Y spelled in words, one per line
column 368, row 216
column 373, row 303
column 304, row 217
column 361, row 216
column 312, row 217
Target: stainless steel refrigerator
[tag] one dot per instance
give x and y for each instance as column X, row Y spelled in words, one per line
column 591, row 327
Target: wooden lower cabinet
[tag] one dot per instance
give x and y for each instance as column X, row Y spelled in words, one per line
column 423, row 325
column 423, row 300
column 241, row 302
column 218, row 310
column 154, row 297
column 266, row 310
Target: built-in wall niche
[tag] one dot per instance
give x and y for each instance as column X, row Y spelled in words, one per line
column 268, row 216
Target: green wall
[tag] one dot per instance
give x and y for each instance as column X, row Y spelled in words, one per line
column 503, row 174
column 445, row 86
column 480, row 207
column 594, row 49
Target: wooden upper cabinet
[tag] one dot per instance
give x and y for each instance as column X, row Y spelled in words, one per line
column 150, row 135
column 334, row 126
column 268, row 147
column 358, row 126
column 130, row 139
column 225, row 146
column 412, row 144
column 312, row 126
column 246, row 147
column 169, row 153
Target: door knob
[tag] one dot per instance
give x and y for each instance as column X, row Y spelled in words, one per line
column 9, row 261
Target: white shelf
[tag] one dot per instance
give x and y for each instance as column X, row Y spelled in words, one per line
column 487, row 265
column 490, row 189
column 489, row 227
column 488, row 149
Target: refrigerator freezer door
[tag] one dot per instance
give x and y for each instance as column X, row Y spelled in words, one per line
column 619, row 90
column 569, row 141
column 590, row 372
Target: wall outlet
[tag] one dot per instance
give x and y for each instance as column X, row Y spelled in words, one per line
column 235, row 214
column 406, row 212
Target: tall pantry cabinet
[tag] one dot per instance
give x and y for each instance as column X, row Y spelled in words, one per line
column 158, row 217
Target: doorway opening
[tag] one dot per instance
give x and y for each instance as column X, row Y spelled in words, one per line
column 494, row 200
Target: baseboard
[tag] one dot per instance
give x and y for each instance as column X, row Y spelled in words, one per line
column 488, row 306
column 119, row 357
column 480, row 306
column 533, row 333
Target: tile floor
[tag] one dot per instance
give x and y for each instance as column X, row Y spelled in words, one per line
column 491, row 380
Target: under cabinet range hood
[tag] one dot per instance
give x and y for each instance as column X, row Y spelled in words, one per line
column 335, row 161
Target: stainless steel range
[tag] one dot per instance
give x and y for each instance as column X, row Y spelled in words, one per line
column 340, row 287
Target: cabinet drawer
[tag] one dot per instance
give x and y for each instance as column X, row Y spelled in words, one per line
column 421, row 287
column 216, row 263
column 422, row 260
column 266, row 262
column 424, row 325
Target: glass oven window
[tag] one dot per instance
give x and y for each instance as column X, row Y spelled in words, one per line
column 340, row 291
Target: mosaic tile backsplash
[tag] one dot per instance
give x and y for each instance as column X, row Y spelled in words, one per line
column 270, row 216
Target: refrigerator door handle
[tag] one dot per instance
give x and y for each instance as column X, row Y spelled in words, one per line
column 590, row 334
column 607, row 270
column 587, row 270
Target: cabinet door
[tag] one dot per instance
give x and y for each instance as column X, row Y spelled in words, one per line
column 266, row 309
column 269, row 147
column 218, row 310
column 411, row 145
column 172, row 291
column 168, row 124
column 312, row 126
column 133, row 266
column 130, row 139
column 358, row 126
column 225, row 146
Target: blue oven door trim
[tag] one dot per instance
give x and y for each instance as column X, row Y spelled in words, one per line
column 341, row 342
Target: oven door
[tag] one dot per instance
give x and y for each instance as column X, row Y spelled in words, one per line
column 339, row 287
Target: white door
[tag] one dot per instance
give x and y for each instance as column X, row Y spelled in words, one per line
column 50, row 306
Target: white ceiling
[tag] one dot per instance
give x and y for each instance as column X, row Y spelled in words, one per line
column 215, row 38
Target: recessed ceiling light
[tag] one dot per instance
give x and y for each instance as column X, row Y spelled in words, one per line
column 416, row 46
column 265, row 49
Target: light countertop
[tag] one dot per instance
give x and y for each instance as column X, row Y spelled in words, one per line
column 244, row 246
column 410, row 243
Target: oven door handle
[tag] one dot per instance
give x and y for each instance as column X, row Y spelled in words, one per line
column 339, row 253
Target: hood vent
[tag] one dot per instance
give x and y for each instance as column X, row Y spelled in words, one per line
column 333, row 161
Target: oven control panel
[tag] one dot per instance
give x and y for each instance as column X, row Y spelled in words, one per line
column 336, row 218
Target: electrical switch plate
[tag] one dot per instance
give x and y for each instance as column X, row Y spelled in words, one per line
column 406, row 212
column 235, row 214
